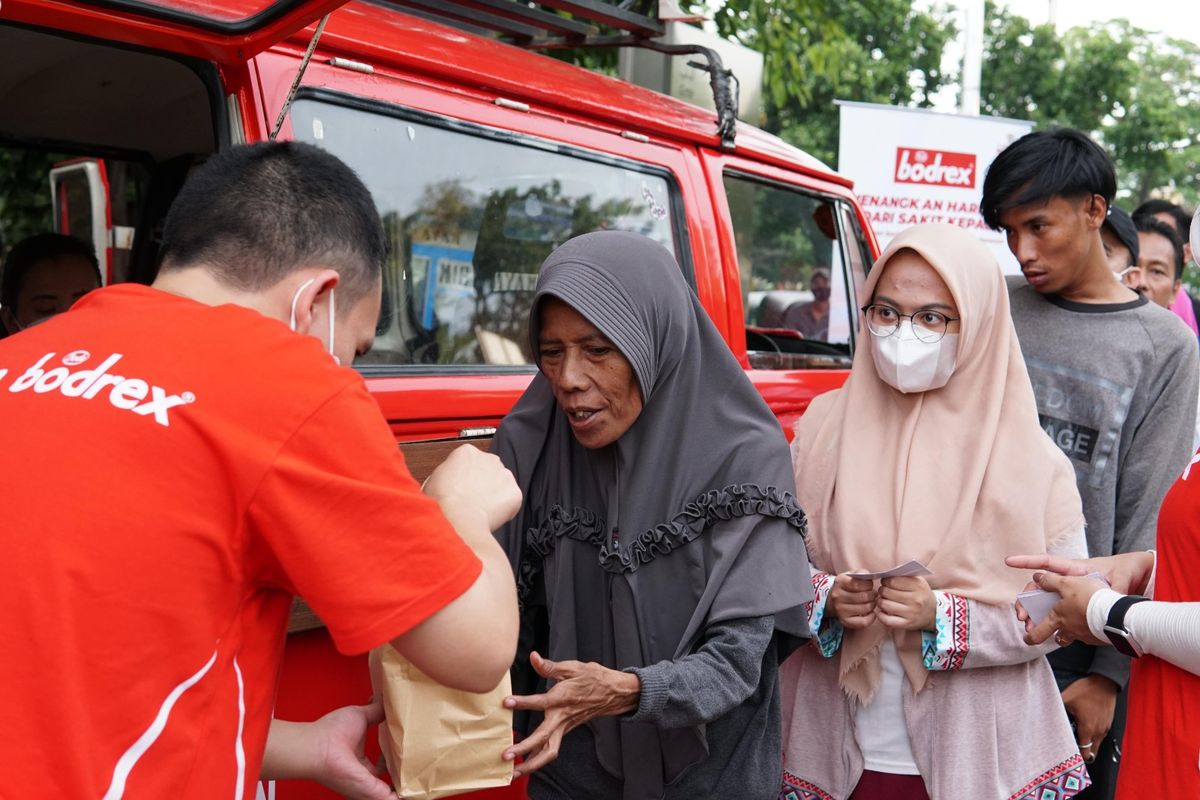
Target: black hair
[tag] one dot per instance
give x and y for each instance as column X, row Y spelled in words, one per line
column 1183, row 220
column 1060, row 162
column 255, row 213
column 29, row 252
column 1148, row 223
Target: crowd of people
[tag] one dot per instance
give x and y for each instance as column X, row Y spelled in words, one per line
column 689, row 606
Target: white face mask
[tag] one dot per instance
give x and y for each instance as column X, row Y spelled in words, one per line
column 910, row 365
column 332, row 309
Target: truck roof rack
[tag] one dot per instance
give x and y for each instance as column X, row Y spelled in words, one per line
column 560, row 24
column 532, row 23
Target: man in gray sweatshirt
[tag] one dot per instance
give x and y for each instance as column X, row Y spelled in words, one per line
column 1115, row 378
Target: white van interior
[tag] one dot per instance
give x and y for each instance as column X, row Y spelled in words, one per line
column 139, row 120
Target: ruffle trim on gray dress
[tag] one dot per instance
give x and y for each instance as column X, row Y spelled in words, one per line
column 582, row 525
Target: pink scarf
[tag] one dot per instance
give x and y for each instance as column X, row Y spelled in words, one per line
column 957, row 477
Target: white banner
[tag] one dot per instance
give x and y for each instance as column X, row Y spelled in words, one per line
column 911, row 166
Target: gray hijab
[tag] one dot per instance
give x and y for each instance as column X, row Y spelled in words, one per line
column 626, row 554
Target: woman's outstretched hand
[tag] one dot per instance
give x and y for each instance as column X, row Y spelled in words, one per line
column 1127, row 573
column 581, row 691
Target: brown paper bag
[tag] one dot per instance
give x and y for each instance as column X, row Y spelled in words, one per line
column 439, row 742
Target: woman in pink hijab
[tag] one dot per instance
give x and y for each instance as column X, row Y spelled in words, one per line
column 922, row 686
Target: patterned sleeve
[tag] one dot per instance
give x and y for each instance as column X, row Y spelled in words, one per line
column 946, row 647
column 970, row 634
column 826, row 633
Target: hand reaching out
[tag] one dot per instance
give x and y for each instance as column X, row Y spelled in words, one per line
column 1067, row 620
column 1127, row 573
column 581, row 691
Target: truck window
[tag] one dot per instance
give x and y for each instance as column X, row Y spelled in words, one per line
column 792, row 261
column 470, row 216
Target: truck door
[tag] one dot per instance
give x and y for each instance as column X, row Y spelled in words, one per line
column 79, row 194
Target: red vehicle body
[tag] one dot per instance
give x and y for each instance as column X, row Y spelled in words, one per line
column 763, row 205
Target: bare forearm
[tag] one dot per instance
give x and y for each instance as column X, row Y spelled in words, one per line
column 471, row 643
column 289, row 752
column 496, row 588
column 327, row 751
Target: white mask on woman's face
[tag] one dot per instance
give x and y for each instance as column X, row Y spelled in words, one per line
column 910, row 365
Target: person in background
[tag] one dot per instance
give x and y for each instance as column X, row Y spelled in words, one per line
column 1115, row 377
column 660, row 552
column 1171, row 214
column 1161, row 264
column 770, row 311
column 921, row 687
column 43, row 276
column 1160, row 258
column 181, row 459
column 1120, row 239
column 811, row 318
column 1184, row 305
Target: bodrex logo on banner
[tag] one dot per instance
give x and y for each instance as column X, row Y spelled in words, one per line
column 935, row 168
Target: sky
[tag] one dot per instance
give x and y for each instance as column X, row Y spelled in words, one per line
column 1181, row 18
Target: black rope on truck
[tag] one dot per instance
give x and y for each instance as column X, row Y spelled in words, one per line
column 724, row 84
column 725, row 97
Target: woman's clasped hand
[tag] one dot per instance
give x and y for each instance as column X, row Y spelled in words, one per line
column 904, row 602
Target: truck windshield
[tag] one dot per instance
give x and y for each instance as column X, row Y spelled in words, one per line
column 470, row 218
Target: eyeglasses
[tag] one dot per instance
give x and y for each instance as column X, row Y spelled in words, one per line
column 928, row 326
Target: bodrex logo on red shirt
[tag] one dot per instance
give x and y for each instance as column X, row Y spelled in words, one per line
column 128, row 394
column 935, row 167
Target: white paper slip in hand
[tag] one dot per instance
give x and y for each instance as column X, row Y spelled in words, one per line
column 906, row 570
column 1039, row 602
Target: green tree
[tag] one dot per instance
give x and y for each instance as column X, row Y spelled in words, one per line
column 883, row 51
column 1155, row 136
column 1137, row 93
column 24, row 194
column 1029, row 72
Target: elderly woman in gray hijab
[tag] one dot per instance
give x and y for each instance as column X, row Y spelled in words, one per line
column 659, row 554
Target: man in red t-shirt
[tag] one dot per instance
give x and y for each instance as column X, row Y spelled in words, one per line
column 180, row 460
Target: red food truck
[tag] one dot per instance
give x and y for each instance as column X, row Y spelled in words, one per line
column 482, row 155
